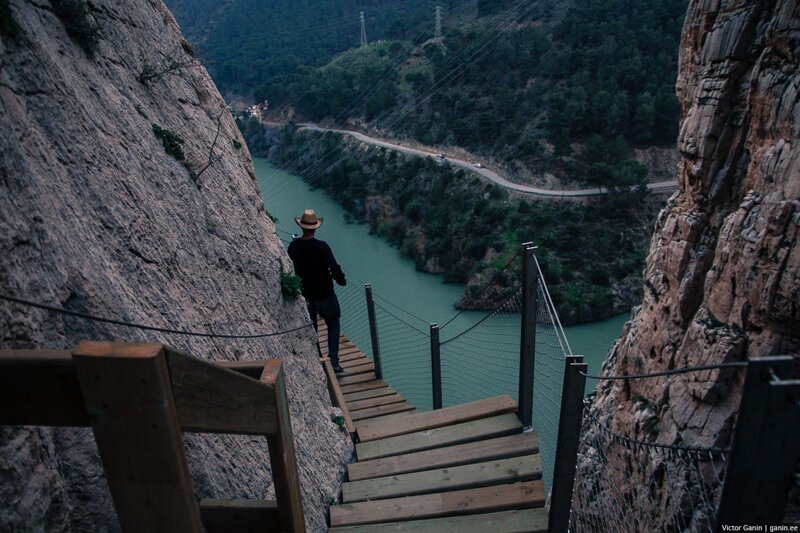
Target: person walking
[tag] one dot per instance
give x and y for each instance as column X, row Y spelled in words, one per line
column 314, row 263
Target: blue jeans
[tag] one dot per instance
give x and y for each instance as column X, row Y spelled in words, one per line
column 328, row 309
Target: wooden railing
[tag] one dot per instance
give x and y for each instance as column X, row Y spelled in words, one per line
column 138, row 398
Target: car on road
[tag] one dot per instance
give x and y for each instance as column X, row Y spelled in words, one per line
column 477, row 165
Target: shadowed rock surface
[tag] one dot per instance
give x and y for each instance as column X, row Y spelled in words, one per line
column 722, row 281
column 96, row 217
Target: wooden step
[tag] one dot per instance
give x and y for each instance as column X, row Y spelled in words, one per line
column 482, row 429
column 517, row 521
column 358, row 378
column 441, row 417
column 385, row 391
column 471, row 452
column 522, row 495
column 374, row 402
column 382, row 410
column 392, row 416
column 522, row 468
column 360, row 387
column 352, row 357
column 354, row 362
column 356, row 370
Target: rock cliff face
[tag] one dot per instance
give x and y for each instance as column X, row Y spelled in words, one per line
column 97, row 217
column 722, row 281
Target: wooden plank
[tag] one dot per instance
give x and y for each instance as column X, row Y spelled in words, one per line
column 251, row 369
column 381, row 410
column 127, row 390
column 285, row 476
column 354, row 362
column 359, row 378
column 242, row 516
column 441, row 417
column 337, row 397
column 471, row 452
column 375, row 402
column 213, row 399
column 355, row 396
column 522, row 468
column 355, row 356
column 347, row 347
column 356, row 370
column 391, row 416
column 40, row 387
column 360, row 387
column 484, row 428
column 516, row 521
column 344, row 342
column 524, row 495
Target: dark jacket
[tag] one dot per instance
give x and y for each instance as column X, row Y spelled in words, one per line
column 316, row 266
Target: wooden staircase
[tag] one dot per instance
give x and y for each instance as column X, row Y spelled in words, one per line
column 467, row 468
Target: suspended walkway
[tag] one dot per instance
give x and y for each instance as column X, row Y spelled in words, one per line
column 465, row 468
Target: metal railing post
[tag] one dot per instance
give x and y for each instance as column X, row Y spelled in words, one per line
column 373, row 332
column 765, row 447
column 569, row 432
column 527, row 350
column 436, row 367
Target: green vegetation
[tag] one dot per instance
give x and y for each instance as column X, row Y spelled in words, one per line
column 8, row 27
column 141, row 111
column 255, row 41
column 601, row 75
column 78, row 21
column 468, row 227
column 172, row 142
column 187, row 47
column 290, row 285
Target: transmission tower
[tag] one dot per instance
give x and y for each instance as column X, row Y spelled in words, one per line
column 363, row 30
column 438, row 31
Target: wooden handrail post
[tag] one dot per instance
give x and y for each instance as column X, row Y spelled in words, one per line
column 128, row 395
column 569, row 432
column 373, row 332
column 527, row 350
column 436, row 367
column 285, row 474
column 765, row 447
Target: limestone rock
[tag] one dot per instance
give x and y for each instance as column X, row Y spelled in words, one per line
column 97, row 218
column 722, row 281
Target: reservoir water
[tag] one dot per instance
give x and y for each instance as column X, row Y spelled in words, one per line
column 410, row 300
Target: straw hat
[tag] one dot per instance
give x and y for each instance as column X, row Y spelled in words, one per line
column 309, row 220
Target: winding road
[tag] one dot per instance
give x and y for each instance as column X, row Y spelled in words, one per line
column 485, row 172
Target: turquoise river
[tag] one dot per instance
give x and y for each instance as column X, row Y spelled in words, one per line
column 410, row 300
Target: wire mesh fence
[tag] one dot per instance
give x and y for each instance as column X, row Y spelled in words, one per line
column 405, row 356
column 620, row 481
column 483, row 361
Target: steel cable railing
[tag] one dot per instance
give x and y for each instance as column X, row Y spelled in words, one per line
column 620, row 481
column 483, row 361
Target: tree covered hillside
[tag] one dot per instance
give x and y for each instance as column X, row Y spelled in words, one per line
column 246, row 43
column 521, row 82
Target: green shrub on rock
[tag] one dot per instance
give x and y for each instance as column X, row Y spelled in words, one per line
column 75, row 16
column 172, row 142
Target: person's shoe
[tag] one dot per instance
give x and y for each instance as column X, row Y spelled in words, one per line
column 338, row 369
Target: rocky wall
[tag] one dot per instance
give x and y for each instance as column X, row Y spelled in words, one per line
column 97, row 217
